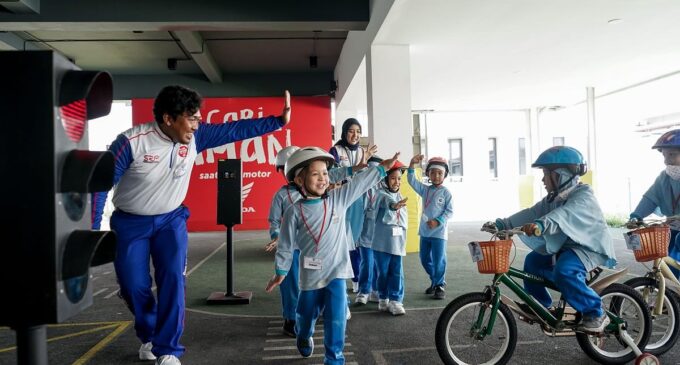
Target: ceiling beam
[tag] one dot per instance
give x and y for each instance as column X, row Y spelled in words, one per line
column 195, row 15
column 194, row 44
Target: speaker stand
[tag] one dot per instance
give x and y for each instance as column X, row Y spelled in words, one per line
column 230, row 297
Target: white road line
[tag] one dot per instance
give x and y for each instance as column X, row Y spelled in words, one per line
column 111, row 294
column 291, row 347
column 380, row 359
column 290, row 339
column 100, row 291
column 293, row 357
column 280, row 334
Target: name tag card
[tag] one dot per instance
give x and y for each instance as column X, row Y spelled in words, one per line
column 632, row 241
column 475, row 251
column 312, row 263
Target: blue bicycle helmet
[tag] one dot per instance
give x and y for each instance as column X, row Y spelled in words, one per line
column 562, row 156
column 670, row 139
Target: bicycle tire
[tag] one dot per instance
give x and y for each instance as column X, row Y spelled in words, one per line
column 452, row 313
column 626, row 354
column 672, row 307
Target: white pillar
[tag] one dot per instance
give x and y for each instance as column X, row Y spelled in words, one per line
column 591, row 157
column 388, row 89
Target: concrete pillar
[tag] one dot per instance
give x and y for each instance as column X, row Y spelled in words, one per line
column 388, row 89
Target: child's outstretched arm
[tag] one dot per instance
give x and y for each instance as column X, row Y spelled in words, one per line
column 348, row 193
column 448, row 211
column 419, row 187
column 284, row 250
column 275, row 213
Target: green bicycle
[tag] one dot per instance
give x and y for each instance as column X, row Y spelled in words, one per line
column 479, row 328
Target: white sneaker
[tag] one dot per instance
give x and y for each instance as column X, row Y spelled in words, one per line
column 396, row 308
column 361, row 298
column 348, row 316
column 382, row 305
column 168, row 360
column 355, row 287
column 374, row 298
column 145, row 352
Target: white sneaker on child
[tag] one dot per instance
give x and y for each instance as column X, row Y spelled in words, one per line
column 145, row 352
column 382, row 305
column 168, row 360
column 374, row 298
column 361, row 298
column 396, row 308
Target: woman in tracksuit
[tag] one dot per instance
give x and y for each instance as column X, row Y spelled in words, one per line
column 316, row 224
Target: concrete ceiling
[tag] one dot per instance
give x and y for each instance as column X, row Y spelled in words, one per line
column 208, row 38
column 471, row 54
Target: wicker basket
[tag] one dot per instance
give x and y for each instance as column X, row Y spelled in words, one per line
column 496, row 257
column 653, row 243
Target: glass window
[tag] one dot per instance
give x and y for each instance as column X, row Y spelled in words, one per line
column 493, row 165
column 558, row 141
column 455, row 157
column 522, row 156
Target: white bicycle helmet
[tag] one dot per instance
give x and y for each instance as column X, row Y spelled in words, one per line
column 283, row 156
column 304, row 157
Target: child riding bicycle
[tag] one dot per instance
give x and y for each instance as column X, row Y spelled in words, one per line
column 664, row 194
column 568, row 235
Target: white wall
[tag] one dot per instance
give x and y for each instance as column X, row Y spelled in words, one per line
column 478, row 196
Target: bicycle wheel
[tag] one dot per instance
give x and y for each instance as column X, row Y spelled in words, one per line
column 666, row 326
column 608, row 348
column 456, row 334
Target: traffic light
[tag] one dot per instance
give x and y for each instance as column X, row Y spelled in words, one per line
column 48, row 175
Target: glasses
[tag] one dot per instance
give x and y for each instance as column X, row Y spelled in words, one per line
column 192, row 118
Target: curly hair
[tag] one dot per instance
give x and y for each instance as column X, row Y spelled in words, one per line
column 176, row 100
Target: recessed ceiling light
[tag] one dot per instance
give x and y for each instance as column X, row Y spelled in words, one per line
column 614, row 21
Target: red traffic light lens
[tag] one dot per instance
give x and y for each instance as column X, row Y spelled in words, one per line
column 73, row 118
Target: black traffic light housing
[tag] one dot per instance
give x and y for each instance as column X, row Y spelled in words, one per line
column 47, row 180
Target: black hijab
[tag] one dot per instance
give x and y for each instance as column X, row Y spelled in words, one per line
column 343, row 137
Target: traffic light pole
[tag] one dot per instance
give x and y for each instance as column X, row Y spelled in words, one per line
column 32, row 345
column 230, row 297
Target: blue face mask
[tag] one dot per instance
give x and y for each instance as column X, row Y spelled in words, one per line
column 673, row 171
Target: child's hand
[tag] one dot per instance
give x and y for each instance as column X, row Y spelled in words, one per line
column 416, row 160
column 332, row 186
column 387, row 164
column 531, row 229
column 432, row 223
column 400, row 204
column 275, row 281
column 489, row 227
column 269, row 247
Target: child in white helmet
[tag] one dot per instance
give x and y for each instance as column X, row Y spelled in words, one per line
column 316, row 224
column 664, row 194
column 283, row 198
column 437, row 210
column 389, row 242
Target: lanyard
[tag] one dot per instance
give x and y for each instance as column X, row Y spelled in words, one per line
column 675, row 200
column 427, row 199
column 289, row 198
column 323, row 224
column 350, row 158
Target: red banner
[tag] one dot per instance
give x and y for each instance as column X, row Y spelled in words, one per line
column 310, row 125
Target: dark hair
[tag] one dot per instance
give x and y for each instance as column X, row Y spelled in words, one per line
column 176, row 100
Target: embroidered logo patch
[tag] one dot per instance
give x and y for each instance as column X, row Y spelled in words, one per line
column 183, row 150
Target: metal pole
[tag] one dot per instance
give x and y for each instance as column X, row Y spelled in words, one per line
column 32, row 345
column 230, row 262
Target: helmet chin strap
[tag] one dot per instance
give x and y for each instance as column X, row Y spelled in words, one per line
column 553, row 194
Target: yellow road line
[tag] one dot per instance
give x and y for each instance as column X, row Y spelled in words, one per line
column 93, row 351
column 91, row 330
